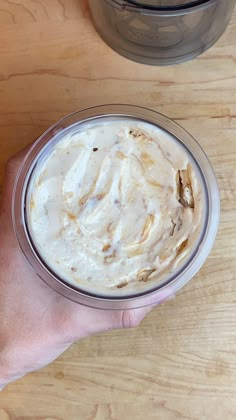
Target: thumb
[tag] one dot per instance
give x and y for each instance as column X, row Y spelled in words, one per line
column 12, row 168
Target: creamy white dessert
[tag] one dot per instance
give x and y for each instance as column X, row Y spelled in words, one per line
column 115, row 207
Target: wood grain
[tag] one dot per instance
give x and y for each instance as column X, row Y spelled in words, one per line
column 181, row 362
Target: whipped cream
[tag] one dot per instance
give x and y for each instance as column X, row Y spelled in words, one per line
column 115, row 207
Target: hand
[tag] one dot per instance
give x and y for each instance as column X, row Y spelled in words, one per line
column 36, row 323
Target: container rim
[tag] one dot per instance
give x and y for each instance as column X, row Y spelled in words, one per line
column 159, row 292
column 139, row 7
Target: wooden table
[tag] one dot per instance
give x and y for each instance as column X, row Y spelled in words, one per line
column 181, row 362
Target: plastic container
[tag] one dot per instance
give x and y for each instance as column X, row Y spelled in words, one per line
column 161, row 32
column 169, row 285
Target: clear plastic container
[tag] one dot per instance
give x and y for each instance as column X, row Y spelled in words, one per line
column 172, row 282
column 161, row 32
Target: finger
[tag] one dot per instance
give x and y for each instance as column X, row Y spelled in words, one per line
column 14, row 163
column 12, row 168
column 132, row 318
column 79, row 321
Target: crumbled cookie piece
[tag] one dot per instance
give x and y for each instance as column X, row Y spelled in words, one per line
column 144, row 275
column 184, row 188
column 181, row 247
column 179, row 223
column 106, row 247
column 173, row 226
column 110, row 258
column 139, row 135
column 121, row 285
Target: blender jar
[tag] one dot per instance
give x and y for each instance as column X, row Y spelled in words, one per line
column 161, row 32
